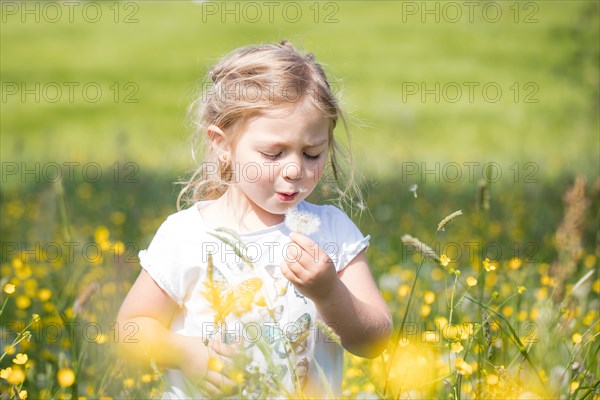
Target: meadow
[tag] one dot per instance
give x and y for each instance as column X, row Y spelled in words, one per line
column 491, row 110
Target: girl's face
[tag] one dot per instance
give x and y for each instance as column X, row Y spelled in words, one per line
column 279, row 157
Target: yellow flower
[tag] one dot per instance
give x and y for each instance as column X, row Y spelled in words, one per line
column 101, row 338
column 463, row 367
column 515, row 263
column 489, row 265
column 215, row 364
column 403, row 290
column 521, row 289
column 118, row 247
column 507, row 311
column 445, row 260
column 425, row 310
column 23, row 394
column 44, row 294
column 429, row 297
column 471, row 281
column 23, row 302
column 238, row 377
column 5, row 373
column 65, row 377
column 577, row 338
column 10, row 350
column 492, row 379
column 9, row 288
column 128, row 383
column 20, row 359
column 146, row 378
column 574, row 386
column 431, row 337
column 16, row 377
column 456, row 347
column 36, row 317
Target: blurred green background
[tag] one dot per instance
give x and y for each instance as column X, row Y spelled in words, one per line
column 506, row 82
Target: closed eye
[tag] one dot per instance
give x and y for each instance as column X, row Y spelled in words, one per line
column 270, row 156
column 311, row 157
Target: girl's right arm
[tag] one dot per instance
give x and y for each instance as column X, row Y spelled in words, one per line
column 150, row 310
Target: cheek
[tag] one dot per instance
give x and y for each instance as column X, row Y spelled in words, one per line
column 316, row 169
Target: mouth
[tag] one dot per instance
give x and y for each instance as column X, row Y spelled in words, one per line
column 287, row 196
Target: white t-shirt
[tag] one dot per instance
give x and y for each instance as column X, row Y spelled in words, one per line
column 252, row 303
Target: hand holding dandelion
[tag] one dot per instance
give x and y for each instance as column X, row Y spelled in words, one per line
column 309, row 268
column 301, row 221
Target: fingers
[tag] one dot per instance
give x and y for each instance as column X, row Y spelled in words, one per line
column 217, row 384
column 305, row 250
column 223, row 349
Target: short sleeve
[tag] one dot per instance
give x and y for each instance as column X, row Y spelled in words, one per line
column 163, row 262
column 347, row 241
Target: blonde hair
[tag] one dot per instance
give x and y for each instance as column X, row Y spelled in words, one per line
column 247, row 82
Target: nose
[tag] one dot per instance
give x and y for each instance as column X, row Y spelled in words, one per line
column 292, row 170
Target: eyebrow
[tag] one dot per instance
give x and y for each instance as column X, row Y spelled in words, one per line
column 282, row 144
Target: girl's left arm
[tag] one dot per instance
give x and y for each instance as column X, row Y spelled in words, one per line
column 348, row 301
column 356, row 310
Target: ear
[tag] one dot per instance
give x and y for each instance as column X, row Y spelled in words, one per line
column 218, row 140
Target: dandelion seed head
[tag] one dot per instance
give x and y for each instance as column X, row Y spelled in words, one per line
column 413, row 188
column 301, row 221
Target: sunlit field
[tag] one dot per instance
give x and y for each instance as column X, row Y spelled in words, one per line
column 482, row 208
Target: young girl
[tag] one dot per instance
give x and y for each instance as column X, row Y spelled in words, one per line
column 231, row 299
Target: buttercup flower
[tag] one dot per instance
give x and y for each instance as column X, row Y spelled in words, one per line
column 65, row 377
column 456, row 347
column 9, row 288
column 471, row 281
column 20, row 358
column 463, row 367
column 5, row 373
column 445, row 260
column 489, row 265
column 301, row 221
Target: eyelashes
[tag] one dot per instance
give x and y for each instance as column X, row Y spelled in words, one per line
column 276, row 156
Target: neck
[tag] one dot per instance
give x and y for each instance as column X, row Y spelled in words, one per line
column 236, row 211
